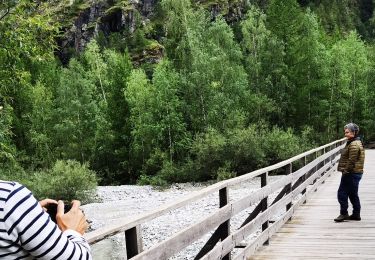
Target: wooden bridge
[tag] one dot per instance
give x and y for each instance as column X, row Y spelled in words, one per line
column 296, row 224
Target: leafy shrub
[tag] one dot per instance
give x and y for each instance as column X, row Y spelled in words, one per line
column 12, row 174
column 67, row 180
column 246, row 149
column 224, row 173
column 152, row 180
column 208, row 152
column 170, row 172
column 280, row 145
column 220, row 156
column 154, row 163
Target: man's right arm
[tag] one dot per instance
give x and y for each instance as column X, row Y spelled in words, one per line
column 36, row 232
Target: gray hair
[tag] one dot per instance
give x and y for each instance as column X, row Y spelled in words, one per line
column 352, row 128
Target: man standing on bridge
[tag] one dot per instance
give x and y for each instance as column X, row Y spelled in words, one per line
column 351, row 165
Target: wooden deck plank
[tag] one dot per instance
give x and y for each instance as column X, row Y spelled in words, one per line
column 312, row 233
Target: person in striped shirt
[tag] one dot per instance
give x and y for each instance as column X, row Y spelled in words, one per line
column 27, row 231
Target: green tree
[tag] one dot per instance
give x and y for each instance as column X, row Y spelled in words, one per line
column 224, row 76
column 75, row 114
column 368, row 127
column 111, row 153
column 97, row 68
column 348, row 85
column 181, row 27
column 28, row 33
column 158, row 130
column 40, row 133
column 264, row 64
column 173, row 136
column 138, row 94
column 283, row 19
column 214, row 83
column 7, row 148
column 310, row 74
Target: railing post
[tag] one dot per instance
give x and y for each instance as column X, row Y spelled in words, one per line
column 289, row 186
column 221, row 232
column 263, row 182
column 224, row 228
column 304, row 177
column 324, row 163
column 133, row 242
column 315, row 170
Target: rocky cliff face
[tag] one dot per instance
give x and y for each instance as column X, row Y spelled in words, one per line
column 103, row 17
column 110, row 16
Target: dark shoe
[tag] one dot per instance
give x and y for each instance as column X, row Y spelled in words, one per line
column 355, row 217
column 341, row 218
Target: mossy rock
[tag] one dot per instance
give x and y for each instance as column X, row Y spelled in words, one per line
column 150, row 54
column 224, row 5
column 209, row 3
column 68, row 13
column 154, row 45
column 91, row 25
column 122, row 6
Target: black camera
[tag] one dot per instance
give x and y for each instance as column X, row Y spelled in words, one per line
column 52, row 210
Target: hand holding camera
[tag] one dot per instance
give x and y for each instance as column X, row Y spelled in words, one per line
column 66, row 216
column 51, row 209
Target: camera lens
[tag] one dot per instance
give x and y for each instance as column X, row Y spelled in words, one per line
column 52, row 210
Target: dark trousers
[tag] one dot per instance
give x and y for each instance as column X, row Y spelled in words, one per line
column 349, row 189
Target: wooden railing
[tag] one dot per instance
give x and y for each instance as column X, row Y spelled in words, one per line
column 302, row 175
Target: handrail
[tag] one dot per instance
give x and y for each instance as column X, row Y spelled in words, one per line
column 130, row 225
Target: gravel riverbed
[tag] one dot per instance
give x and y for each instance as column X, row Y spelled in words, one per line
column 117, row 202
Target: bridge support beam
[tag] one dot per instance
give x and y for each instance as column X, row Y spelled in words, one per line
column 289, row 189
column 303, row 178
column 316, row 169
column 221, row 232
column 133, row 242
column 264, row 203
column 224, row 229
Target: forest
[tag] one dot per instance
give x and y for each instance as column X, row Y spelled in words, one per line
column 225, row 96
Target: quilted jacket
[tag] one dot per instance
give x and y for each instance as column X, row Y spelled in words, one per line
column 352, row 157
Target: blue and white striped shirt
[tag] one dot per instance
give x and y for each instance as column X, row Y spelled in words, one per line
column 27, row 232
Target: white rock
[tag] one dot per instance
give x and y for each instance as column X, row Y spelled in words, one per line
column 128, row 200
